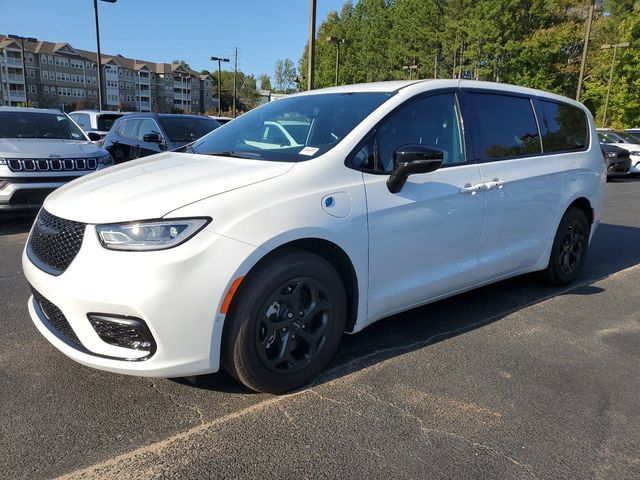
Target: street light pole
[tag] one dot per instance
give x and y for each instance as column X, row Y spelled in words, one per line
column 411, row 68
column 587, row 37
column 219, row 60
column 337, row 42
column 613, row 66
column 312, row 45
column 100, row 78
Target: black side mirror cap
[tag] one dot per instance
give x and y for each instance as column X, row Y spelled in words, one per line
column 411, row 160
column 151, row 138
column 94, row 136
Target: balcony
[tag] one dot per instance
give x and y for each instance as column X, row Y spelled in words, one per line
column 13, row 78
column 14, row 61
column 17, row 95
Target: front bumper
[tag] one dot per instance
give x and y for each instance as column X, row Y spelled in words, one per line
column 16, row 196
column 177, row 292
column 635, row 164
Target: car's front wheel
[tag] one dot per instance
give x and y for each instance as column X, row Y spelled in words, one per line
column 569, row 249
column 285, row 322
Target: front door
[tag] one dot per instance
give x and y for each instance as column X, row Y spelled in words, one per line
column 422, row 240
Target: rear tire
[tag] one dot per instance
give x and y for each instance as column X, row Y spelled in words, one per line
column 569, row 249
column 285, row 322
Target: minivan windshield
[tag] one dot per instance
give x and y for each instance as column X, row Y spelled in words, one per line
column 38, row 125
column 187, row 129
column 292, row 129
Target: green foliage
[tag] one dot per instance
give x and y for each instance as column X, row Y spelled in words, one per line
column 246, row 96
column 534, row 43
column 180, row 62
column 285, row 76
column 265, row 82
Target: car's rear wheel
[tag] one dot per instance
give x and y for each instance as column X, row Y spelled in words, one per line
column 285, row 322
column 569, row 248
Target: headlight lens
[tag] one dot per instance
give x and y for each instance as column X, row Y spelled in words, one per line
column 149, row 234
column 610, row 154
column 636, row 153
column 3, row 161
column 107, row 160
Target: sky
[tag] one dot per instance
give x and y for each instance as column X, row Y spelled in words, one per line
column 163, row 30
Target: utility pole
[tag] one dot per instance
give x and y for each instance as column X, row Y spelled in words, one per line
column 587, row 37
column 235, row 72
column 337, row 42
column 613, row 66
column 312, row 45
column 219, row 60
column 411, row 68
column 100, row 79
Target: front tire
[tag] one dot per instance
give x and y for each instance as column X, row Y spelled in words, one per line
column 569, row 249
column 285, row 322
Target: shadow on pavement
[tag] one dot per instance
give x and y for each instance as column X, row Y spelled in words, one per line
column 614, row 248
column 11, row 224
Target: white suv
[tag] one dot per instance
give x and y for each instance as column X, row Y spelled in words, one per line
column 41, row 150
column 258, row 255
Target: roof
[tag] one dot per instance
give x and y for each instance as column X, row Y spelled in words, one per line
column 160, row 115
column 42, row 46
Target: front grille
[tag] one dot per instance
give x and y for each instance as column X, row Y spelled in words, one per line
column 55, row 317
column 52, row 164
column 54, row 242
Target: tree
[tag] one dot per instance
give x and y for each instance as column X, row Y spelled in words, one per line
column 285, row 75
column 181, row 63
column 265, row 82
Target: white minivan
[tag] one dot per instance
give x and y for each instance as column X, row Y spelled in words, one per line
column 257, row 254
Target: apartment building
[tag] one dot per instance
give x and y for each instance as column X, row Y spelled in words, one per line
column 57, row 75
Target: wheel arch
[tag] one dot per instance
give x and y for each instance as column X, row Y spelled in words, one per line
column 332, row 253
column 583, row 204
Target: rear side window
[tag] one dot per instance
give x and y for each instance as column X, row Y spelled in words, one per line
column 564, row 127
column 106, row 121
column 506, row 127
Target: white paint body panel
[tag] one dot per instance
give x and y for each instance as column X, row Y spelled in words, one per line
column 426, row 242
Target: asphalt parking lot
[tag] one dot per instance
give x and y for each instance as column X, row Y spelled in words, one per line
column 515, row 380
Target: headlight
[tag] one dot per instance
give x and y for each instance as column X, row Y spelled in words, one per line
column 107, row 160
column 610, row 154
column 3, row 161
column 635, row 154
column 149, row 234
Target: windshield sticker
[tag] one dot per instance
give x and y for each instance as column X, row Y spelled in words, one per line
column 308, row 151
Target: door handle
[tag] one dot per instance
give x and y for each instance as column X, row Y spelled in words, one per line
column 495, row 183
column 469, row 189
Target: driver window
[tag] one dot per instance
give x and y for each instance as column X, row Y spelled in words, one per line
column 432, row 121
column 148, row 126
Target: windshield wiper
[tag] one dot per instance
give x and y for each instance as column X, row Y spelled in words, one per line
column 235, row 154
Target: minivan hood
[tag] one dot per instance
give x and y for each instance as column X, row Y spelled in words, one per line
column 45, row 148
column 151, row 187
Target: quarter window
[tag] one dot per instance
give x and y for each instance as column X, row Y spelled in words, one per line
column 563, row 127
column 505, row 127
column 129, row 128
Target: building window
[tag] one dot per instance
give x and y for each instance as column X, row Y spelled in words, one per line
column 45, row 75
column 50, row 57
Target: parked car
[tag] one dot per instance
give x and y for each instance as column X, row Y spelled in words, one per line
column 141, row 134
column 41, row 150
column 634, row 131
column 623, row 140
column 96, row 124
column 617, row 158
column 258, row 258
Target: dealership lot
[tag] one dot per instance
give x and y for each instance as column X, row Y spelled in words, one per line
column 515, row 380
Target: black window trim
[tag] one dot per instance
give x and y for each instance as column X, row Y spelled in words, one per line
column 472, row 115
column 536, row 103
column 466, row 145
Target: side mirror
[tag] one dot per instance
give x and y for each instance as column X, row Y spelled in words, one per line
column 410, row 160
column 152, row 138
column 94, row 136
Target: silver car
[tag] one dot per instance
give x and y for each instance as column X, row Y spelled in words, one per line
column 41, row 150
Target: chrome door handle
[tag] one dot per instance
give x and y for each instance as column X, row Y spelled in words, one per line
column 495, row 183
column 469, row 189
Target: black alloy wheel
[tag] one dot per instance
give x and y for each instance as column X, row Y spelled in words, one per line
column 569, row 249
column 572, row 247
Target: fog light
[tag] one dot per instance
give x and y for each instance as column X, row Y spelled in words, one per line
column 121, row 331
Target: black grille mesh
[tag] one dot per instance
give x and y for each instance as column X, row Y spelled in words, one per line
column 55, row 317
column 55, row 242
